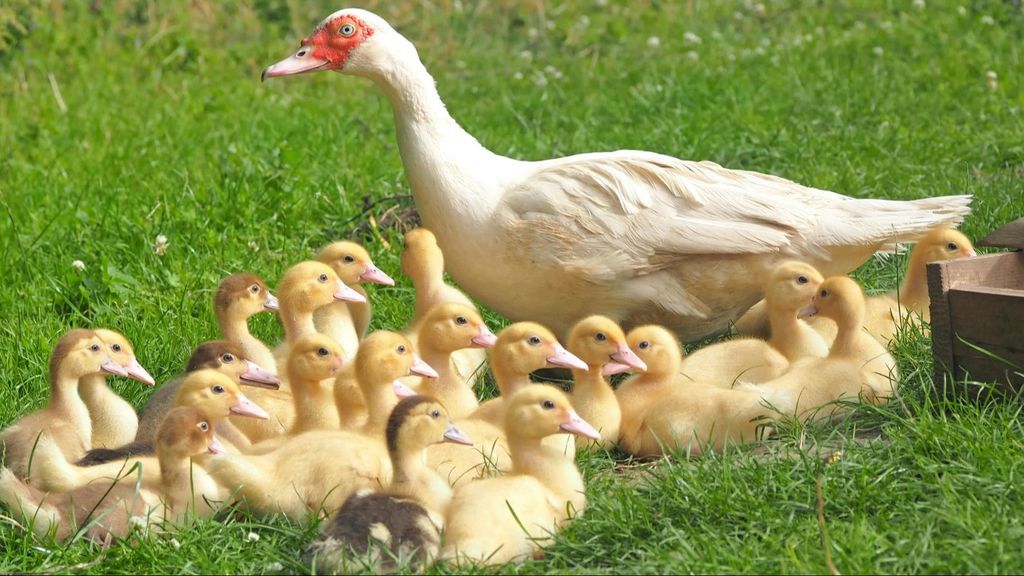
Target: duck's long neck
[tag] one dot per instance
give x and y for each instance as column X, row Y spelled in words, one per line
column 66, row 400
column 314, row 405
column 786, row 334
column 233, row 327
column 558, row 473
column 438, row 359
column 297, row 322
column 508, row 379
column 94, row 390
column 914, row 293
column 590, row 386
column 849, row 326
column 380, row 401
column 412, row 478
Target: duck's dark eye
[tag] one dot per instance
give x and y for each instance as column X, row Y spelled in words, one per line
column 218, row 389
column 347, row 30
column 255, row 288
column 323, row 278
column 802, row 280
column 435, row 414
column 204, row 426
column 548, row 405
column 644, row 345
column 600, row 337
column 400, row 349
column 534, row 340
column 823, row 294
column 348, row 259
column 301, row 53
column 228, row 358
column 116, row 347
column 322, row 352
column 95, row 347
column 952, row 246
column 461, row 320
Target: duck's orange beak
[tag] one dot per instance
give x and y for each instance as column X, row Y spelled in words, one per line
column 376, row 275
column 254, row 375
column 626, row 356
column 346, row 294
column 299, row 63
column 216, row 447
column 401, row 390
column 272, row 304
column 137, row 372
column 111, row 367
column 565, row 359
column 245, row 407
column 485, row 339
column 421, row 368
column 454, row 435
column 573, row 424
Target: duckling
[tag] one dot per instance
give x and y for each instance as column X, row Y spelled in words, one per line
column 423, row 262
column 885, row 314
column 113, row 419
column 856, row 363
column 110, row 511
column 319, row 469
column 446, row 329
column 239, row 297
column 209, row 391
column 788, row 294
column 407, row 516
column 598, row 340
column 347, row 322
column 496, row 520
column 663, row 411
column 65, row 418
column 220, row 355
column 313, row 359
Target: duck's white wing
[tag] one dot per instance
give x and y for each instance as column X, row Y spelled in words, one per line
column 616, row 215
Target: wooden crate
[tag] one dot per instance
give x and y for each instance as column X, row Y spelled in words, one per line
column 977, row 318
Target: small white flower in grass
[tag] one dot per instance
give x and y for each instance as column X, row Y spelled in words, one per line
column 774, row 60
column 174, row 543
column 653, row 42
column 692, row 56
column 553, row 72
column 737, row 15
column 885, row 25
column 532, row 33
column 878, row 51
column 275, row 567
column 992, row 80
column 540, row 80
column 759, row 9
column 549, row 24
column 961, row 10
column 715, row 34
column 691, row 38
column 517, row 76
column 78, row 265
column 254, row 246
column 988, row 20
column 160, row 246
column 252, row 537
column 526, row 55
column 919, row 4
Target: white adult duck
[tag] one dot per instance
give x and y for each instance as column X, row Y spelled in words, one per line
column 636, row 236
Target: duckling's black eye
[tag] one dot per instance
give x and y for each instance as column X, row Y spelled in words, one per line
column 95, row 347
column 548, row 405
column 802, row 280
column 400, row 349
column 204, row 426
column 952, row 246
column 347, row 30
column 322, row 352
column 644, row 345
column 116, row 347
column 600, row 337
column 461, row 320
column 435, row 414
column 534, row 340
column 348, row 259
column 218, row 389
column 255, row 288
column 228, row 358
column 824, row 294
column 323, row 278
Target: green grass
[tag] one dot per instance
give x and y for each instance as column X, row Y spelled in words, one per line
column 165, row 129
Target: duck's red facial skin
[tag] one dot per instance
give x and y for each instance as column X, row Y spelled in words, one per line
column 336, row 39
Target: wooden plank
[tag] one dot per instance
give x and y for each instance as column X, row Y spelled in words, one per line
column 992, row 320
column 1009, row 236
column 1002, row 270
column 942, row 331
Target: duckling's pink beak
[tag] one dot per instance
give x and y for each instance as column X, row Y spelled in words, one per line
column 111, row 367
column 254, row 375
column 401, row 390
column 565, row 359
column 575, row 425
column 376, row 275
column 972, row 253
column 421, row 368
column 809, row 310
column 346, row 294
column 246, row 407
column 485, row 339
column 613, row 368
column 137, row 372
column 271, row 303
column 301, row 62
column 454, row 435
column 629, row 358
column 216, row 447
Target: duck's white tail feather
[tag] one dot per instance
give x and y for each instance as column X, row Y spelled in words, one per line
column 890, row 222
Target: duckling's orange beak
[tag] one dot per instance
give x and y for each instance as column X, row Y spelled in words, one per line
column 565, row 359
column 485, row 339
column 376, row 275
column 573, row 424
column 454, row 435
column 111, row 367
column 421, row 368
column 254, row 375
column 271, row 304
column 137, row 372
column 401, row 390
column 346, row 294
column 629, row 358
column 245, row 407
column 216, row 447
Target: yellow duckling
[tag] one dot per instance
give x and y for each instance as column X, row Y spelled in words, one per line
column 347, row 322
column 238, row 298
column 113, row 419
